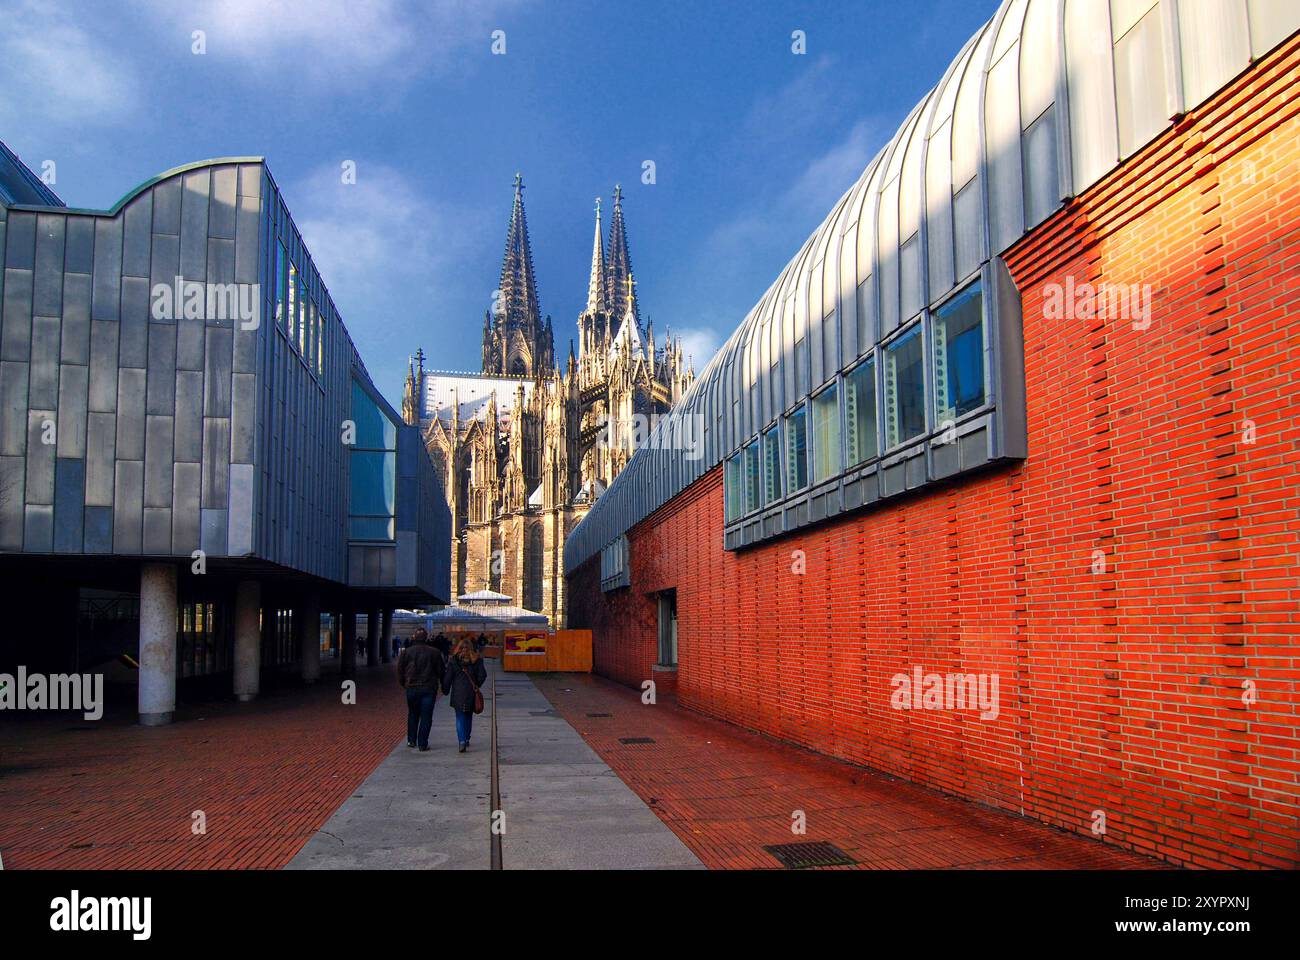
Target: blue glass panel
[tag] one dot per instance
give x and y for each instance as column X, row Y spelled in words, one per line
column 374, row 430
column 370, row 528
column 373, row 483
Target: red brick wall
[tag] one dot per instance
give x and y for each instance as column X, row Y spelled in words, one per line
column 1120, row 691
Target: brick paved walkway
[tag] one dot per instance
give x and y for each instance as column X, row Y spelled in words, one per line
column 113, row 795
column 727, row 793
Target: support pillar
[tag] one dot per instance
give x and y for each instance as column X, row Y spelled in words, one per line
column 157, row 691
column 348, row 634
column 372, row 637
column 307, row 620
column 386, row 635
column 248, row 639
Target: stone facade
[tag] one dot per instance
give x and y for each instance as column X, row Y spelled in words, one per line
column 524, row 447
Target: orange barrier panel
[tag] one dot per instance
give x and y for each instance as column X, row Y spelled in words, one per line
column 524, row 662
column 565, row 651
column 569, row 651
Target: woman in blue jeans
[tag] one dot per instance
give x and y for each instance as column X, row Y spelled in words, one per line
column 465, row 673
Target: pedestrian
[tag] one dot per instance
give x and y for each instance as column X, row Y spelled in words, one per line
column 443, row 646
column 464, row 676
column 420, row 672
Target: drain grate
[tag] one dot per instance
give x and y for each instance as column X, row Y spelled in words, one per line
column 542, row 713
column 600, row 714
column 630, row 740
column 818, row 853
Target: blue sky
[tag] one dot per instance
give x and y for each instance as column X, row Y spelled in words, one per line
column 752, row 144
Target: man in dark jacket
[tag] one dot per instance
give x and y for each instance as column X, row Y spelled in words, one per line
column 419, row 671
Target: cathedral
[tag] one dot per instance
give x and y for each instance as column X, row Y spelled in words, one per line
column 525, row 446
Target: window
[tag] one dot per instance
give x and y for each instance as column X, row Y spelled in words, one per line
column 281, row 261
column 826, row 434
column 733, row 488
column 904, row 388
column 860, row 412
column 796, row 449
column 292, row 313
column 320, row 345
column 311, row 334
column 302, row 316
column 668, row 628
column 614, row 570
column 372, row 503
column 751, row 477
column 771, row 464
column 959, row 355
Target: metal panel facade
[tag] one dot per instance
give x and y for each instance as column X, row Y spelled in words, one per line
column 143, row 414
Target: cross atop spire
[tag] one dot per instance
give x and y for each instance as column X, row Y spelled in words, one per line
column 519, row 183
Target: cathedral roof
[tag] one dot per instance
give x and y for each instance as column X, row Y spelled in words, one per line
column 472, row 392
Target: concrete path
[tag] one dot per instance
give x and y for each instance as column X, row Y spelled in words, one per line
column 564, row 807
column 417, row 810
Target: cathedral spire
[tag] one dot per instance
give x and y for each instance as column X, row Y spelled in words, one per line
column 618, row 264
column 596, row 285
column 518, row 283
column 516, row 344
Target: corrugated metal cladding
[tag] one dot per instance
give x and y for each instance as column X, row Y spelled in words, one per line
column 1047, row 98
column 174, row 434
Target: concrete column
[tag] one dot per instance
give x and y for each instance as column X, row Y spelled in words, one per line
column 348, row 637
column 386, row 635
column 248, row 639
column 372, row 637
column 307, row 620
column 157, row 692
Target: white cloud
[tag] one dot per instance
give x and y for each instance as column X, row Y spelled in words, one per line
column 762, row 232
column 699, row 344
column 379, row 240
column 334, row 43
column 807, row 199
column 51, row 70
column 805, row 103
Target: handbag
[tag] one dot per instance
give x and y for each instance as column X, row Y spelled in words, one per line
column 478, row 694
